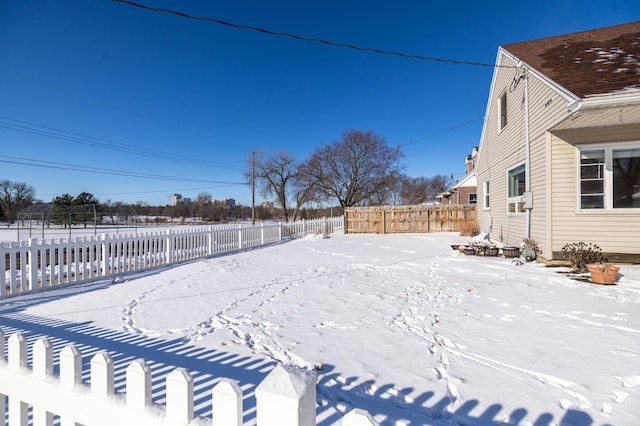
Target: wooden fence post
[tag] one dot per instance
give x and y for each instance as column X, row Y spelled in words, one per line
column 287, row 397
column 226, row 398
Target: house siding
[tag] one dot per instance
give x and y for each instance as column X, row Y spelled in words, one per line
column 616, row 232
column 500, row 151
column 552, row 120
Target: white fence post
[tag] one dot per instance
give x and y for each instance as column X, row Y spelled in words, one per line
column 169, row 246
column 240, row 236
column 210, row 241
column 226, row 398
column 42, row 358
column 103, row 256
column 287, row 397
column 180, row 396
column 70, row 366
column 138, row 384
column 17, row 351
column 33, row 266
column 42, row 368
column 102, row 375
column 3, row 406
column 2, row 345
column 18, row 410
column 358, row 417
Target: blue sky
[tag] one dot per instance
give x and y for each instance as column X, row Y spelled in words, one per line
column 114, row 88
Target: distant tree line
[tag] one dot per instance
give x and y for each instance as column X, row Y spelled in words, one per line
column 357, row 170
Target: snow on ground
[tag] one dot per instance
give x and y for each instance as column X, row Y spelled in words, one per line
column 399, row 325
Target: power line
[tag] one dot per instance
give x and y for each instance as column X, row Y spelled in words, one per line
column 99, row 170
column 443, row 131
column 309, row 39
column 50, row 132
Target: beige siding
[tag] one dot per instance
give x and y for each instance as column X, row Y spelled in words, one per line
column 614, row 231
column 502, row 150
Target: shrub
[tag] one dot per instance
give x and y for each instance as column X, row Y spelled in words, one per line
column 580, row 254
column 469, row 228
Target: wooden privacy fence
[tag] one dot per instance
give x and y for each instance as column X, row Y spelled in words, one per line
column 286, row 397
column 408, row 219
column 36, row 265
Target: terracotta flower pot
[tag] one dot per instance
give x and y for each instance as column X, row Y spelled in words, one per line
column 602, row 275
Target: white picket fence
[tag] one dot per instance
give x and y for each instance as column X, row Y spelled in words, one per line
column 36, row 265
column 286, row 397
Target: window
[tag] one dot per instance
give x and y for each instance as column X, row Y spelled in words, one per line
column 503, row 110
column 609, row 176
column 472, row 198
column 592, row 179
column 517, row 186
column 485, row 190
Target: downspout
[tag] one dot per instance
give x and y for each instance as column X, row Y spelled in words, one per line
column 527, row 142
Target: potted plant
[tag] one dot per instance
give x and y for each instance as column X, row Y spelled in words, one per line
column 492, row 251
column 470, row 250
column 603, row 272
column 530, row 250
column 511, row 251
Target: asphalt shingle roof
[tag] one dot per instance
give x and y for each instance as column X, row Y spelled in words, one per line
column 594, row 62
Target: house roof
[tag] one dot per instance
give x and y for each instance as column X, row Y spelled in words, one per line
column 594, row 62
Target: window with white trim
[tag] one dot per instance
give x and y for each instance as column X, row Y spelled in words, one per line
column 609, row 176
column 502, row 101
column 485, row 191
column 472, row 198
column 516, row 183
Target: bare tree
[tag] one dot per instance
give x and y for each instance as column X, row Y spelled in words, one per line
column 15, row 196
column 358, row 169
column 274, row 175
column 438, row 184
column 203, row 204
column 415, row 190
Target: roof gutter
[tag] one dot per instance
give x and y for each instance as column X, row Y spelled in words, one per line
column 610, row 100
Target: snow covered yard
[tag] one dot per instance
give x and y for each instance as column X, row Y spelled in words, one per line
column 399, row 325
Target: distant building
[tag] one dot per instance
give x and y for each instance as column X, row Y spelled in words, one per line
column 178, row 199
column 464, row 190
column 227, row 202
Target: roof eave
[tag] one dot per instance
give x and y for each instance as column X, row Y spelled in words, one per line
column 609, row 100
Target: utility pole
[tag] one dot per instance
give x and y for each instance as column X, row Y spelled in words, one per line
column 253, row 189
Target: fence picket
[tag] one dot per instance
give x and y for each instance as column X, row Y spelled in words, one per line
column 102, row 375
column 286, row 397
column 226, row 397
column 70, row 366
column 138, row 384
column 40, row 265
column 180, row 396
